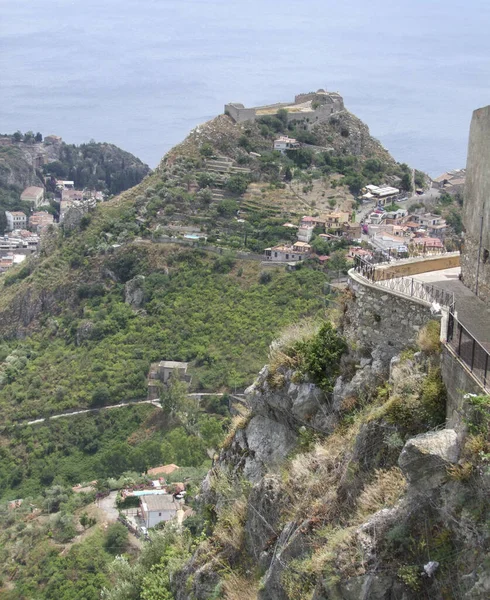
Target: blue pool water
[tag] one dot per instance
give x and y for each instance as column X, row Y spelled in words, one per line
column 148, row 492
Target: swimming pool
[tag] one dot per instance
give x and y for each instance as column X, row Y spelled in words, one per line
column 147, row 492
column 192, row 236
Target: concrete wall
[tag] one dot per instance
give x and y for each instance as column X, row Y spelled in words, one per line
column 476, row 209
column 458, row 382
column 447, row 261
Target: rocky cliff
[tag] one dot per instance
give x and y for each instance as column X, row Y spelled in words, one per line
column 351, row 491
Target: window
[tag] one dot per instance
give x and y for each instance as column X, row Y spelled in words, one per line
column 159, row 514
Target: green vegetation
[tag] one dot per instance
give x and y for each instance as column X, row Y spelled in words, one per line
column 97, row 165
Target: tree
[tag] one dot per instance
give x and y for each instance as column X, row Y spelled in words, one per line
column 17, row 137
column 227, row 208
column 338, row 262
column 205, row 180
column 116, row 540
column 101, row 396
column 206, row 150
column 39, row 137
column 282, row 115
column 237, row 184
column 288, row 174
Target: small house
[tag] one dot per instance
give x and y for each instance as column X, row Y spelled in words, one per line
column 156, row 508
column 284, row 143
column 34, row 195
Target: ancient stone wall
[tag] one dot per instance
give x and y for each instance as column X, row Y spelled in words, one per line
column 381, row 319
column 476, row 209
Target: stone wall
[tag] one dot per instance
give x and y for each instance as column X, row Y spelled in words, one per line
column 382, row 320
column 329, row 104
column 476, row 208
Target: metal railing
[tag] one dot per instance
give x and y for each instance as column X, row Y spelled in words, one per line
column 475, row 356
column 408, row 286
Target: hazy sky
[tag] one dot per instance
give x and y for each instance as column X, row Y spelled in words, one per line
column 142, row 73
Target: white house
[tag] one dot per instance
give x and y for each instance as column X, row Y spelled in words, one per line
column 156, row 508
column 284, row 143
column 15, row 220
column 305, row 233
column 296, row 252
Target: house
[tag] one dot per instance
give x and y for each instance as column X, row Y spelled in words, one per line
column 156, row 508
column 284, row 143
column 15, row 220
column 352, row 231
column 305, row 232
column 382, row 194
column 70, row 194
column 356, row 251
column 163, row 470
column 427, row 244
column 34, row 195
column 162, row 373
column 388, row 243
column 334, row 221
column 315, row 221
column 38, row 221
column 283, row 253
column 10, row 260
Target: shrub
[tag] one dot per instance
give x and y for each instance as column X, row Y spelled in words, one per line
column 428, row 338
column 116, row 539
column 319, row 357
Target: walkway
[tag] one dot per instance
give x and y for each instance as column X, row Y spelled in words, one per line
column 471, row 312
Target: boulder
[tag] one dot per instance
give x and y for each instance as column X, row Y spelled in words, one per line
column 134, row 293
column 424, row 459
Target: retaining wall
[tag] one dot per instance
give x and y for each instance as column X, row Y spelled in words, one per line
column 437, row 263
column 378, row 318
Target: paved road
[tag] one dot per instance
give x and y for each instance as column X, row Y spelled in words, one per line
column 73, row 413
column 91, row 410
column 472, row 312
column 108, row 506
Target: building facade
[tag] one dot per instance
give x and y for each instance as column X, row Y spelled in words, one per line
column 15, row 220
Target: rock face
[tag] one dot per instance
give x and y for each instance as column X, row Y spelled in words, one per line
column 134, row 293
column 425, row 458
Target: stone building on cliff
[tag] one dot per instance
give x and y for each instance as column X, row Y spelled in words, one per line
column 311, row 108
column 475, row 257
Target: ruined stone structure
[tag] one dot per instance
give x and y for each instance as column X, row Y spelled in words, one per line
column 312, row 108
column 475, row 258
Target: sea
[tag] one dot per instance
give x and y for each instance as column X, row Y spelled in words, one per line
column 142, row 73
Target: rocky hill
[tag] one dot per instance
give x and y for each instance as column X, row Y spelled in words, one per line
column 27, row 160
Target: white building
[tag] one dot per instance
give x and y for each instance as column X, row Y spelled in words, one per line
column 284, row 143
column 305, row 233
column 156, row 508
column 296, row 252
column 15, row 220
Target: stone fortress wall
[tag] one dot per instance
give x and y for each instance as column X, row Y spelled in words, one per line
column 476, row 209
column 313, row 108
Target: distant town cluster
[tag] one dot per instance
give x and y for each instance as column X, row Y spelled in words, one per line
column 24, row 230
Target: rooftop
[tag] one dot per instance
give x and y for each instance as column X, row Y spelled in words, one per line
column 163, row 470
column 172, row 364
column 155, row 502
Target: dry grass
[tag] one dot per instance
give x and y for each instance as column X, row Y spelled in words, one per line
column 229, row 532
column 239, row 587
column 238, row 422
column 384, row 492
column 342, row 554
column 429, row 338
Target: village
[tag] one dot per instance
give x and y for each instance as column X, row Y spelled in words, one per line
column 24, row 232
column 387, row 229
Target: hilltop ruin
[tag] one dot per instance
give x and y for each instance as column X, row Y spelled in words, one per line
column 313, row 108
